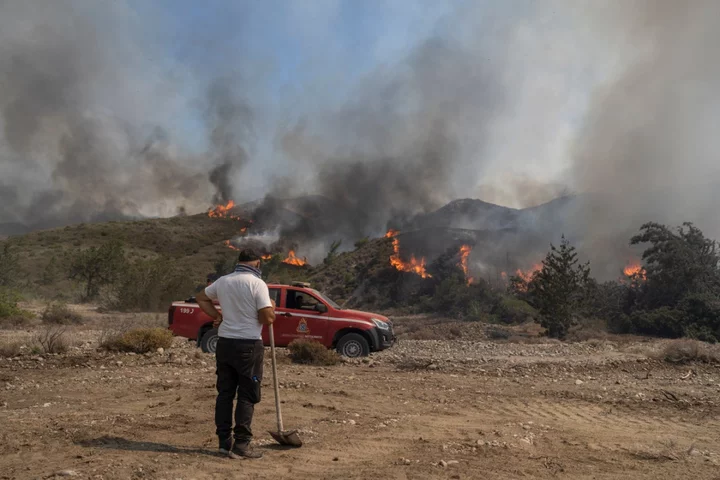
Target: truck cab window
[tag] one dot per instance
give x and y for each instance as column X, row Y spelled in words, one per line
column 301, row 300
column 275, row 295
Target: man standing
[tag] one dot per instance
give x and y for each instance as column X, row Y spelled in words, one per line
column 246, row 306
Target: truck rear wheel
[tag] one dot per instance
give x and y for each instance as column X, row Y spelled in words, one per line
column 208, row 342
column 353, row 345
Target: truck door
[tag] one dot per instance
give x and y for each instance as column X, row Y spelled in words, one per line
column 275, row 294
column 301, row 317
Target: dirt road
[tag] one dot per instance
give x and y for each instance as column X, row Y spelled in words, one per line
column 422, row 410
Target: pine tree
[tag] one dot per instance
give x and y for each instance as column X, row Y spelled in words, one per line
column 558, row 288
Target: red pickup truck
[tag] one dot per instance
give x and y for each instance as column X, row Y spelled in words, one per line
column 301, row 312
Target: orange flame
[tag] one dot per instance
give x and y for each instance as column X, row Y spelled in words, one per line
column 465, row 251
column 266, row 257
column 413, row 265
column 635, row 270
column 293, row 260
column 525, row 276
column 223, row 211
column 230, row 245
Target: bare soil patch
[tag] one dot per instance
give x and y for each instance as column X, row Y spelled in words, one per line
column 450, row 408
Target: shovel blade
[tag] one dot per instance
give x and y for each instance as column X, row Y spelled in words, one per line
column 289, row 438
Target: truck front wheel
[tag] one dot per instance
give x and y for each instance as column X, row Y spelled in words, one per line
column 353, row 345
column 208, row 342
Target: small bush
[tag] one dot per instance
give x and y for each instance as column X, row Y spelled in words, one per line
column 9, row 310
column 60, row 314
column 138, row 340
column 52, row 340
column 312, row 353
column 511, row 310
column 15, row 322
column 362, row 242
column 10, row 349
column 687, row 351
column 498, row 333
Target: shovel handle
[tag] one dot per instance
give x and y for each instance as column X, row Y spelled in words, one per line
column 275, row 380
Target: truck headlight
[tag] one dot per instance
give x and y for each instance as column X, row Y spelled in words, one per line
column 380, row 324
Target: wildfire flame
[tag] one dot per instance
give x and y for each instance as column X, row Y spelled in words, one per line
column 465, row 251
column 223, row 211
column 525, row 276
column 293, row 260
column 634, row 270
column 413, row 265
column 230, row 245
column 266, row 257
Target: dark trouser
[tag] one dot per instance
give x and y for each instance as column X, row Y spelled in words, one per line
column 239, row 372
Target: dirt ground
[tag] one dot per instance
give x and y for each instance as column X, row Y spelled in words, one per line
column 467, row 408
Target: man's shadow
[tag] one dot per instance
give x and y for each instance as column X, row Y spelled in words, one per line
column 119, row 443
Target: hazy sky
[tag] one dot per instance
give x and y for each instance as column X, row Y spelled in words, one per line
column 306, row 58
column 132, row 107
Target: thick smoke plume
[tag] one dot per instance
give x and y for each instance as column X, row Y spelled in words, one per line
column 394, row 150
column 510, row 102
column 83, row 112
column 648, row 149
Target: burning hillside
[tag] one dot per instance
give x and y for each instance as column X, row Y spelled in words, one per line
column 291, row 259
column 223, row 211
column 413, row 265
column 465, row 252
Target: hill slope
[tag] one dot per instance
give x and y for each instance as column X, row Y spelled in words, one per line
column 196, row 242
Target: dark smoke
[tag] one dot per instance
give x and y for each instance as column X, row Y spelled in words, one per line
column 79, row 98
column 648, row 150
column 230, row 121
column 394, row 151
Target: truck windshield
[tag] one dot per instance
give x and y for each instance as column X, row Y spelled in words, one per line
column 327, row 300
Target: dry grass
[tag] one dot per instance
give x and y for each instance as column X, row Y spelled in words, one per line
column 10, row 349
column 688, row 351
column 16, row 321
column 52, row 340
column 60, row 314
column 137, row 340
column 312, row 353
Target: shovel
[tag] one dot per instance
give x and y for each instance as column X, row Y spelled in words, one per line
column 290, row 437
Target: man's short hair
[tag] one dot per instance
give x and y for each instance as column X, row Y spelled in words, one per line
column 248, row 255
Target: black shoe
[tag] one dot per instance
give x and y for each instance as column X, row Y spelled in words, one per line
column 242, row 449
column 226, row 445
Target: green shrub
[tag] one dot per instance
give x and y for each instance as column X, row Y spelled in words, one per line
column 362, row 242
column 60, row 314
column 138, row 340
column 148, row 285
column 10, row 313
column 511, row 310
column 312, row 353
column 664, row 321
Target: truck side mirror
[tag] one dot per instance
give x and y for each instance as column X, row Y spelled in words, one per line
column 321, row 308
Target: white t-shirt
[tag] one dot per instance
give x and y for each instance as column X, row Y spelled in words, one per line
column 241, row 295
